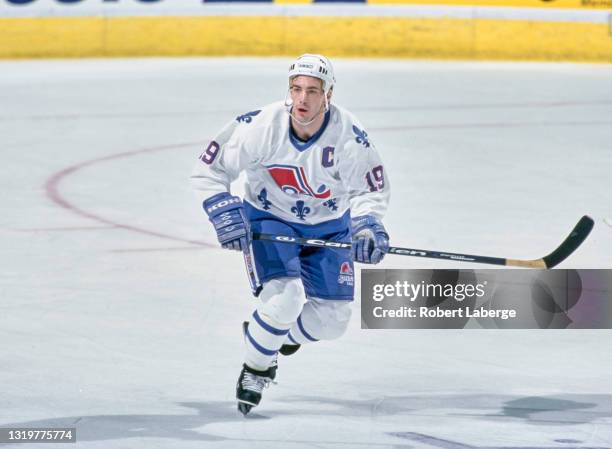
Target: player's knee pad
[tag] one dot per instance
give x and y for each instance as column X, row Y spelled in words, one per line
column 333, row 318
column 282, row 299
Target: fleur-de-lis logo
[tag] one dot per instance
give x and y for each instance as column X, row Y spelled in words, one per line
column 362, row 137
column 331, row 203
column 263, row 197
column 300, row 210
column 248, row 117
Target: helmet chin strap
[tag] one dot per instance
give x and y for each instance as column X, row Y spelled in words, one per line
column 289, row 107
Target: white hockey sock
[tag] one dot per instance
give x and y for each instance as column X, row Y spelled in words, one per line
column 298, row 334
column 263, row 340
column 320, row 320
column 282, row 301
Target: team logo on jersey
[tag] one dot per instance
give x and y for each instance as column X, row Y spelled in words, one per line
column 292, row 180
column 300, row 210
column 248, row 117
column 362, row 136
column 263, row 198
column 346, row 274
column 331, row 203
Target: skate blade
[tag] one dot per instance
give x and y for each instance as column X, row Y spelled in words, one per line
column 244, row 408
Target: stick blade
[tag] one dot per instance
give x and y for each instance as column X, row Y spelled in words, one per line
column 578, row 235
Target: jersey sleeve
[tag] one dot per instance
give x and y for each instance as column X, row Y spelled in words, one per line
column 364, row 175
column 221, row 162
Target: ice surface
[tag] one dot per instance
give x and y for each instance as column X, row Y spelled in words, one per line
column 113, row 320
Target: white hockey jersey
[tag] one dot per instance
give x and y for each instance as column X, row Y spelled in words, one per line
column 303, row 182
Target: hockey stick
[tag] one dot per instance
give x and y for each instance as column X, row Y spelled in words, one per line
column 567, row 247
column 256, row 286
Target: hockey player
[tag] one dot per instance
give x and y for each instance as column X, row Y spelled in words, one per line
column 313, row 172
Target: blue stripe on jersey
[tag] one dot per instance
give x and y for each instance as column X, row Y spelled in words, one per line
column 259, row 347
column 266, row 326
column 302, row 146
column 306, row 334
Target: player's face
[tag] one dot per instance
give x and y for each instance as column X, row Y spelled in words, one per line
column 308, row 97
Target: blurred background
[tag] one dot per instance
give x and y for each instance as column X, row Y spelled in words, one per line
column 550, row 30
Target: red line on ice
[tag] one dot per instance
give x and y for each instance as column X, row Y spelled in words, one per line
column 52, row 189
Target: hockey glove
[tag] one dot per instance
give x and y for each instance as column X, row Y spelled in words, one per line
column 370, row 239
column 226, row 213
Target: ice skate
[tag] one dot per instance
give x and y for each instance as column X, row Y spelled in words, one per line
column 250, row 386
column 289, row 349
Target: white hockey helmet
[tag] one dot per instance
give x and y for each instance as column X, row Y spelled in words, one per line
column 317, row 66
